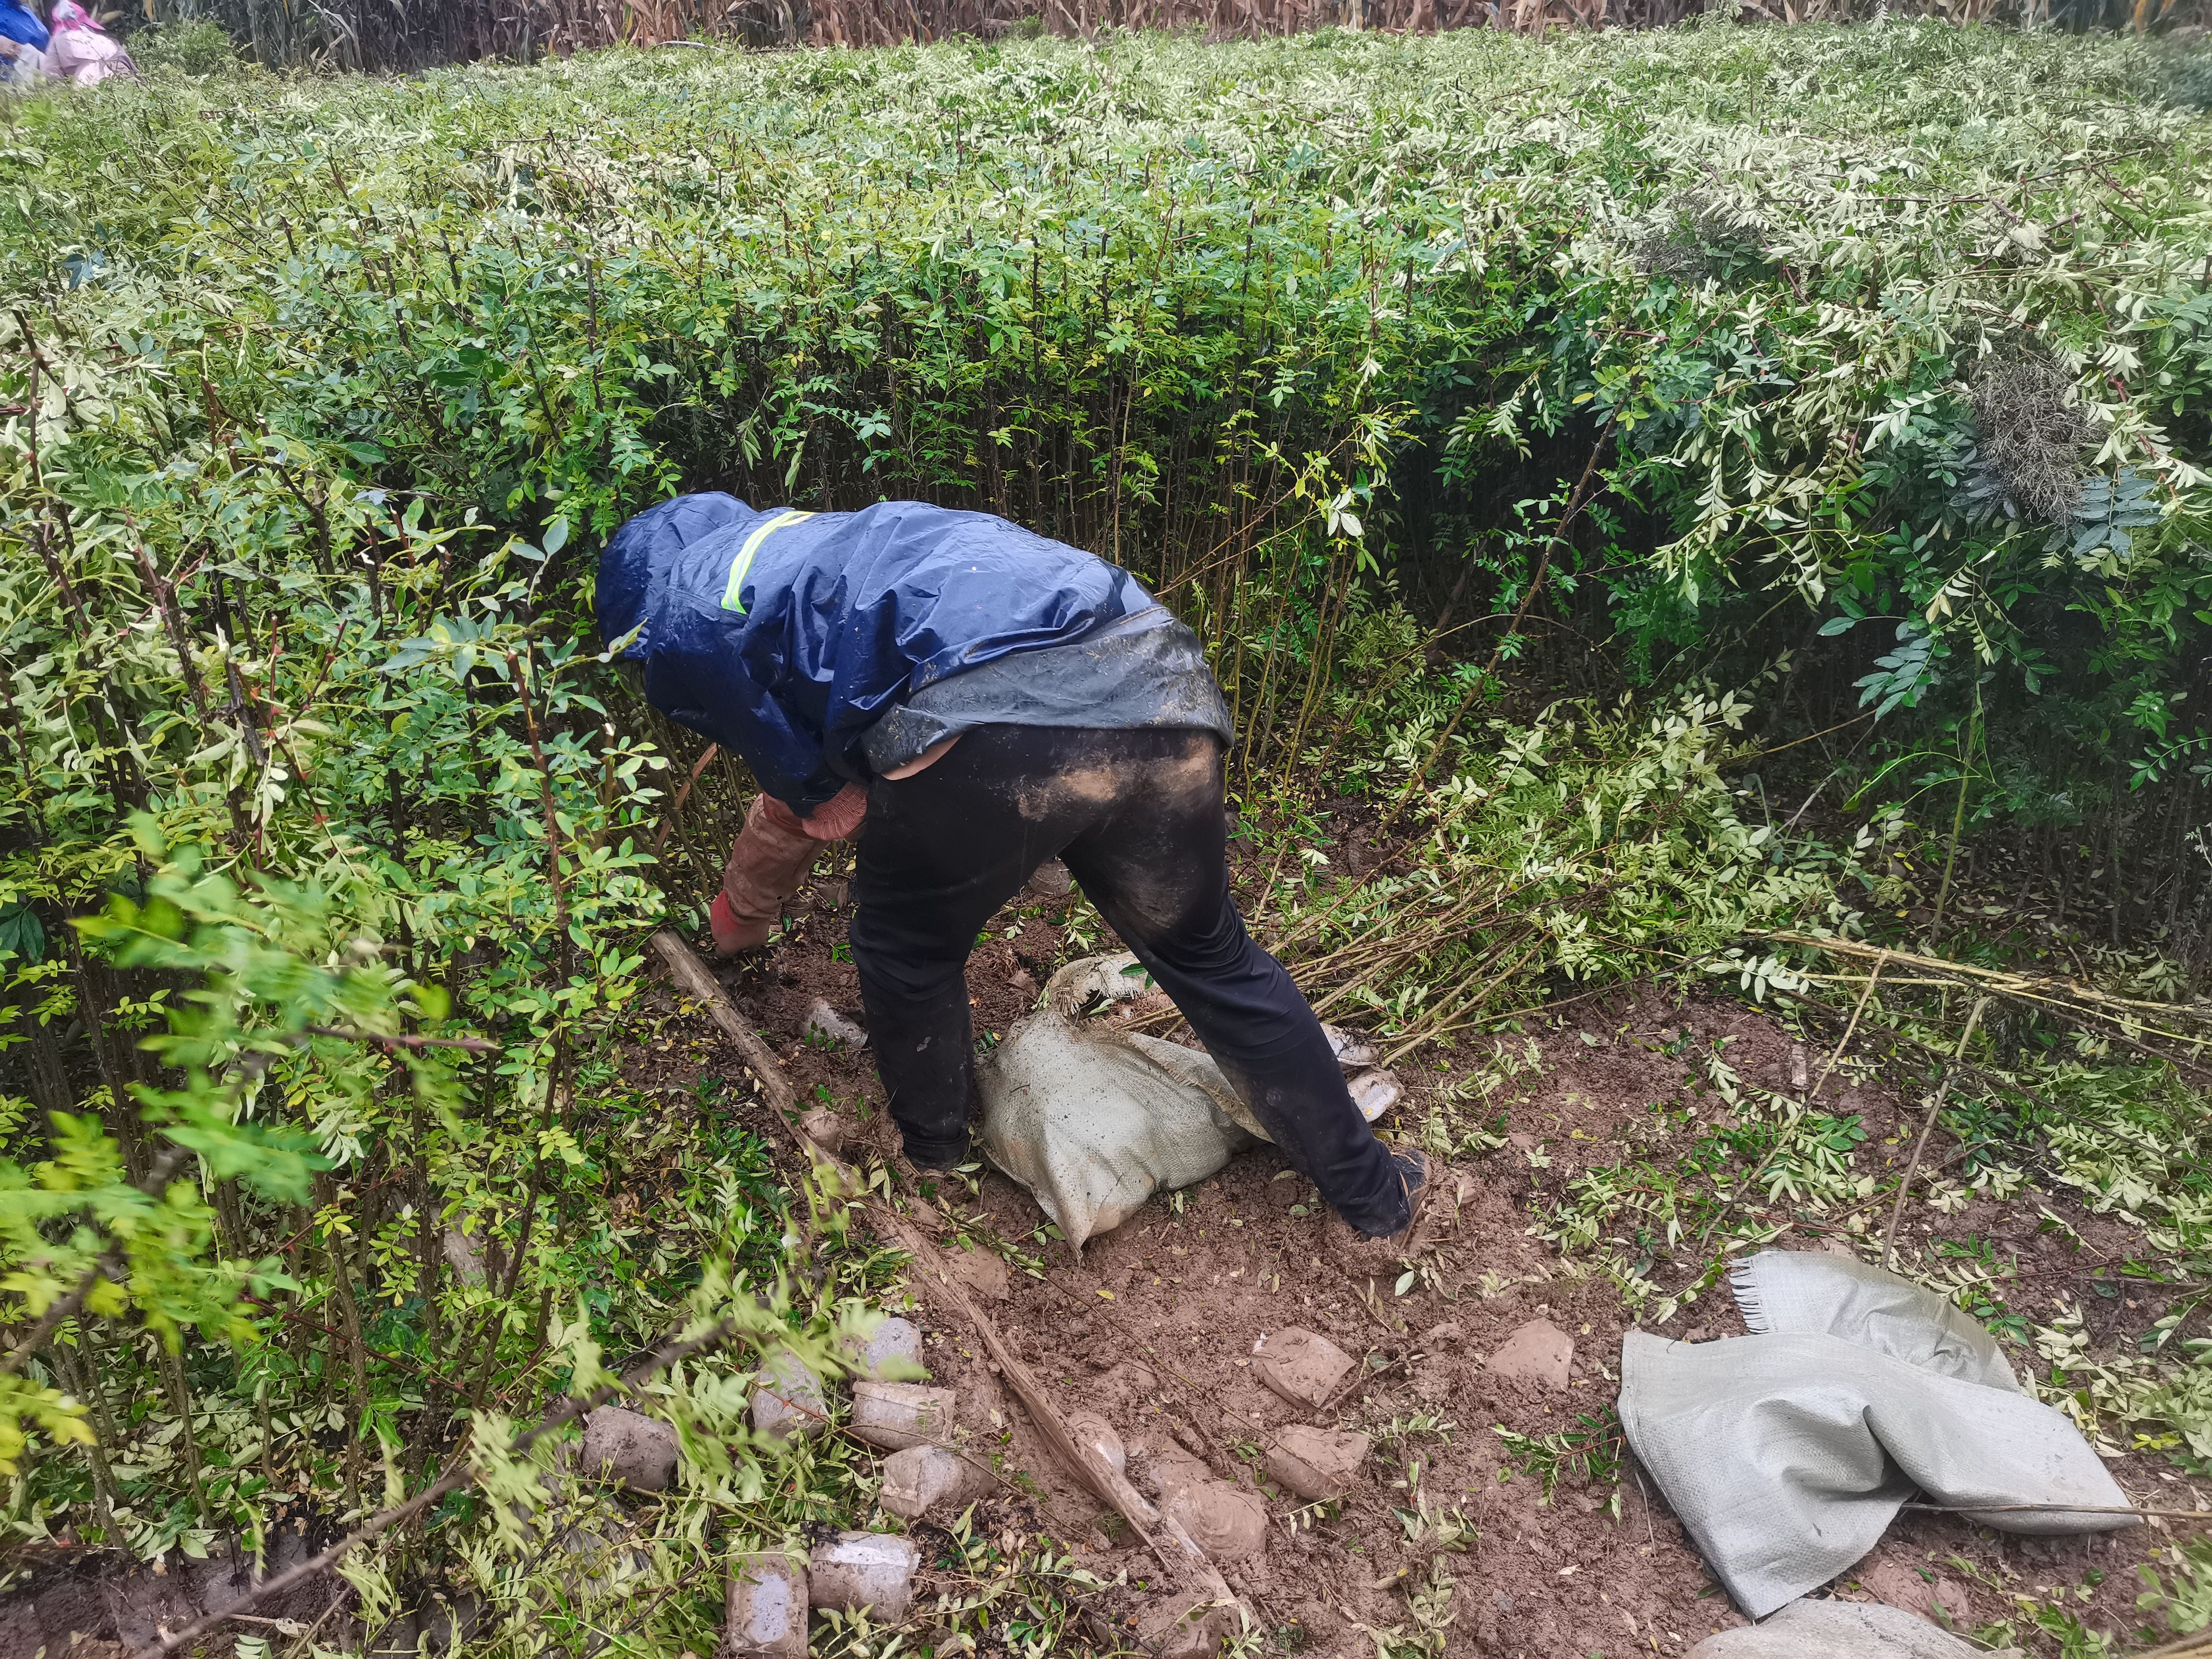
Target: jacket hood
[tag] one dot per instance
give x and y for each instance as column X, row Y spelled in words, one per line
column 633, row 568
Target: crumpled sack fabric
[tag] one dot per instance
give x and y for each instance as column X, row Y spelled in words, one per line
column 1095, row 982
column 1094, row 1121
column 1787, row 1453
column 1842, row 1630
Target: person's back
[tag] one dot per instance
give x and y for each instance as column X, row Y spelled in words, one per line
column 84, row 52
column 787, row 635
column 983, row 699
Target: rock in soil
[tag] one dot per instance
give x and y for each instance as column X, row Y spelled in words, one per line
column 1374, row 1093
column 1839, row 1630
column 871, row 1569
column 826, row 1129
column 921, row 1478
column 628, row 1449
column 1317, row 1464
column 1095, row 1431
column 897, row 1415
column 827, row 1024
column 1353, row 1051
column 1187, row 1625
column 1051, row 880
column 1538, row 1351
column 982, row 1271
column 1167, row 1467
column 892, row 1352
column 1301, row 1366
column 789, row 1398
column 1228, row 1522
column 766, row 1610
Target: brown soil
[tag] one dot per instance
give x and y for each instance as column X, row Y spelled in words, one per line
column 1155, row 1326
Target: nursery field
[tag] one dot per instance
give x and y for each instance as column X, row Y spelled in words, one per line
column 1705, row 535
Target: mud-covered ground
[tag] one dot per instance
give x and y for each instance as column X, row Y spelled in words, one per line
column 1450, row 1531
column 1154, row 1327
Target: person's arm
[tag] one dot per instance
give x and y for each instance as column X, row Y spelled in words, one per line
column 774, row 853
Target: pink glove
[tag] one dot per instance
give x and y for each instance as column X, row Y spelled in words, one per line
column 774, row 853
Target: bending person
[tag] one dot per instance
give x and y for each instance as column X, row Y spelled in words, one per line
column 985, row 700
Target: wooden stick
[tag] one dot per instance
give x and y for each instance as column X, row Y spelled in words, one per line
column 695, row 981
column 1161, row 1534
column 471, row 1045
column 1928, row 1123
column 2069, row 995
column 2197, row 1643
column 1844, row 1042
column 676, row 807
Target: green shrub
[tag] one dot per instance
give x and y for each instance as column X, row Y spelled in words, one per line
column 199, row 48
column 327, row 393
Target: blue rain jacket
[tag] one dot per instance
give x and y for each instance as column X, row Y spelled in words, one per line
column 785, row 635
column 22, row 26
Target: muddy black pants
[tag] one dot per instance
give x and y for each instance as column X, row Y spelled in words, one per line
column 1138, row 817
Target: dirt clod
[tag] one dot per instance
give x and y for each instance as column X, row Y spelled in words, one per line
column 1167, row 1467
column 1228, row 1522
column 826, row 1129
column 921, row 1478
column 1052, row 879
column 627, row 1448
column 983, row 1272
column 765, row 1609
column 788, row 1399
column 1302, row 1366
column 871, row 1569
column 892, row 1352
column 1538, row 1351
column 1316, row 1464
column 897, row 1415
